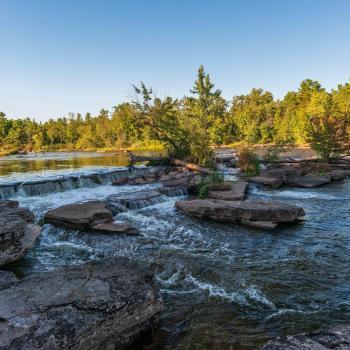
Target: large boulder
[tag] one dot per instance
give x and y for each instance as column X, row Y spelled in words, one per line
column 99, row 305
column 237, row 191
column 336, row 338
column 92, row 215
column 17, row 231
column 79, row 215
column 254, row 213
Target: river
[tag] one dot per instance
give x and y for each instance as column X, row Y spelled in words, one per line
column 224, row 286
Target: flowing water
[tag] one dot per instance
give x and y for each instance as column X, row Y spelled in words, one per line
column 224, row 286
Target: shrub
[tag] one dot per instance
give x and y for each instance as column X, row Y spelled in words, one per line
column 216, row 179
column 249, row 162
column 274, row 152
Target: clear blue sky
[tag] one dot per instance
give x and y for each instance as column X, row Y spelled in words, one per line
column 60, row 56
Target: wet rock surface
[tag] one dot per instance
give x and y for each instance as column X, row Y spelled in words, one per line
column 241, row 211
column 80, row 215
column 269, row 181
column 336, row 338
column 92, row 215
column 299, row 175
column 17, row 231
column 236, row 191
column 310, row 181
column 105, row 304
column 134, row 200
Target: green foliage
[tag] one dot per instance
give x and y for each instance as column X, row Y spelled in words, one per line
column 189, row 127
column 209, row 182
column 249, row 161
column 273, row 152
column 203, row 190
column 327, row 128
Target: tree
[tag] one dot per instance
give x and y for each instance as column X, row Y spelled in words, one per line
column 327, row 128
column 161, row 119
column 203, row 114
column 253, row 114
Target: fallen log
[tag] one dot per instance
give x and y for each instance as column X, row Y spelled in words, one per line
column 190, row 166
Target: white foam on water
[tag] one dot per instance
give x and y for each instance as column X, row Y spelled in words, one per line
column 286, row 312
column 294, row 194
column 217, row 291
column 172, row 279
column 40, row 204
column 256, row 294
column 70, row 247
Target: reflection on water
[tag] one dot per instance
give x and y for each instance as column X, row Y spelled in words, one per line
column 224, row 286
column 63, row 160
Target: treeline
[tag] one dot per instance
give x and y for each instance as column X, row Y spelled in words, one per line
column 189, row 126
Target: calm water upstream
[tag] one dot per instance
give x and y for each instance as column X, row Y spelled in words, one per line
column 224, row 287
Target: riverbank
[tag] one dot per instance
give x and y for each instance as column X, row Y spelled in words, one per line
column 149, row 146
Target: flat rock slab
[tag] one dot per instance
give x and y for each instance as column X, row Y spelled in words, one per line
column 92, row 215
column 17, row 231
column 98, row 305
column 337, row 175
column 270, row 181
column 310, row 181
column 79, row 215
column 240, row 211
column 237, row 192
column 336, row 338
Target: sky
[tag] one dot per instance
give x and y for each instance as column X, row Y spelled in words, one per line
column 60, row 56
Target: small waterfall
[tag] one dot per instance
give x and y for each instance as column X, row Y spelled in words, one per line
column 135, row 200
column 7, row 191
column 174, row 191
column 66, row 183
column 142, row 203
column 38, row 188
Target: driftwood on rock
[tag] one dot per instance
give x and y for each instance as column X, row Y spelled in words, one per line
column 191, row 166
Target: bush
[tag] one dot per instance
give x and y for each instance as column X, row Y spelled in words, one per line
column 249, row 162
column 274, row 152
column 215, row 179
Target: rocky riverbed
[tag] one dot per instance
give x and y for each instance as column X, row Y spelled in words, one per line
column 224, row 285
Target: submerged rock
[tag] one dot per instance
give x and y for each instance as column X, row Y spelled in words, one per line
column 245, row 212
column 17, row 231
column 92, row 215
column 336, row 338
column 7, row 278
column 99, row 305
